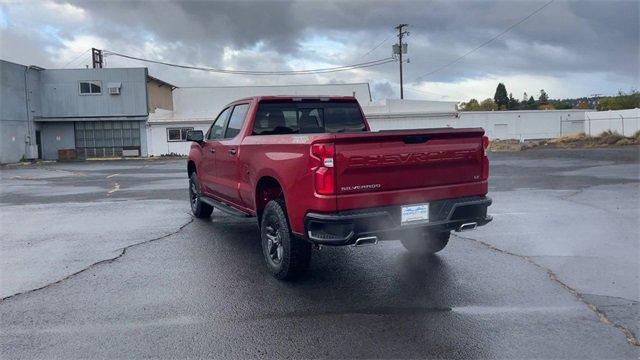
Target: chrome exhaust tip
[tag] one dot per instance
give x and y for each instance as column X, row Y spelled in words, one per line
column 367, row 240
column 467, row 226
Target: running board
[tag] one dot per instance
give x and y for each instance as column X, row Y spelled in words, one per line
column 223, row 207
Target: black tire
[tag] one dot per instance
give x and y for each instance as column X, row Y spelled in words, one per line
column 198, row 208
column 427, row 244
column 287, row 256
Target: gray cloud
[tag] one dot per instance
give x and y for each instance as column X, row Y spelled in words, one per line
column 383, row 90
column 593, row 38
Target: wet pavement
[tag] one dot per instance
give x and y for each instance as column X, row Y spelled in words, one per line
column 102, row 259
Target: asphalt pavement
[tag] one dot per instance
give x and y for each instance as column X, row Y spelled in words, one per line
column 103, row 260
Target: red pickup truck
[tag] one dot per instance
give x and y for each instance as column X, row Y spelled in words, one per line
column 312, row 173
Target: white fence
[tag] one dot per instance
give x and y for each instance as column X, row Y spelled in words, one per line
column 520, row 125
column 624, row 122
column 524, row 125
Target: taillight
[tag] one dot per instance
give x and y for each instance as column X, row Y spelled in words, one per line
column 323, row 170
column 485, row 144
column 485, row 159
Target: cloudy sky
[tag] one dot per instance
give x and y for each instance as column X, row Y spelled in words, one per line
column 570, row 48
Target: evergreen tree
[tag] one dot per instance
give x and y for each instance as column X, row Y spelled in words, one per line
column 543, row 99
column 523, row 102
column 500, row 98
column 513, row 104
column 531, row 104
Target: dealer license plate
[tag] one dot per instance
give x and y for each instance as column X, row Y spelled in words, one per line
column 415, row 213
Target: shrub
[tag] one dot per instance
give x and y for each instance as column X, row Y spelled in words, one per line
column 609, row 137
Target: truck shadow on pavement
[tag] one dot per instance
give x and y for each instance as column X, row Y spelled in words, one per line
column 354, row 289
column 381, row 279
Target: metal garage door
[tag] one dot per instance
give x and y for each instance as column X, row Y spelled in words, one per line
column 107, row 138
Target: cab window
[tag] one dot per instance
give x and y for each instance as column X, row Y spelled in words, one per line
column 217, row 129
column 236, row 121
column 308, row 117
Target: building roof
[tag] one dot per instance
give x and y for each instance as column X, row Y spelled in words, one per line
column 202, row 102
column 273, row 86
column 162, row 82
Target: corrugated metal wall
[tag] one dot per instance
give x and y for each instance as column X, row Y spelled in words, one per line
column 60, row 95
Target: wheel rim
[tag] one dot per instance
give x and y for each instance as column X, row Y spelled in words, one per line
column 274, row 248
column 193, row 194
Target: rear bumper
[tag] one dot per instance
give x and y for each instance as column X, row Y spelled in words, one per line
column 343, row 228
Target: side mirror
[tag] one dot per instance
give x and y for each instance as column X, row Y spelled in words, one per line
column 195, row 135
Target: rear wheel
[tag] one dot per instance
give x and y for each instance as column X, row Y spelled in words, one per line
column 198, row 208
column 286, row 256
column 426, row 245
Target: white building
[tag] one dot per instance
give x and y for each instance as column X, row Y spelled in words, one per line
column 411, row 114
column 194, row 108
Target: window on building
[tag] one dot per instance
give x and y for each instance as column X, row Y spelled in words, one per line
column 236, row 121
column 178, row 134
column 91, row 87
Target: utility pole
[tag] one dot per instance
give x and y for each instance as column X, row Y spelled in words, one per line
column 399, row 49
column 96, row 58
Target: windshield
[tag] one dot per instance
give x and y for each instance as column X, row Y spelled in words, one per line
column 308, row 117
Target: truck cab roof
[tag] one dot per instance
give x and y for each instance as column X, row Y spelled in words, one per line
column 296, row 98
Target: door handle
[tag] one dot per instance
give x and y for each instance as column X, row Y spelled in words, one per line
column 232, row 151
column 212, row 150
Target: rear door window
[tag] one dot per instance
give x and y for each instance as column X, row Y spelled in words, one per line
column 236, row 121
column 306, row 117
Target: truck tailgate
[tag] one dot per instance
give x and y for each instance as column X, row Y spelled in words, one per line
column 375, row 163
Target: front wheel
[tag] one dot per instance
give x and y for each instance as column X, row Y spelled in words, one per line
column 426, row 245
column 286, row 256
column 198, row 208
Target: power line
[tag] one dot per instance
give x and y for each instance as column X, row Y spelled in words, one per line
column 486, row 42
column 76, row 58
column 377, row 46
column 86, row 59
column 256, row 72
column 413, row 89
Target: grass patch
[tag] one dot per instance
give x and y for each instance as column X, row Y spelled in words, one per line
column 581, row 140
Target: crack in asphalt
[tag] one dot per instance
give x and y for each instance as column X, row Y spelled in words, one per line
column 122, row 250
column 569, row 197
column 631, row 338
column 573, row 193
column 71, row 172
column 613, row 297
